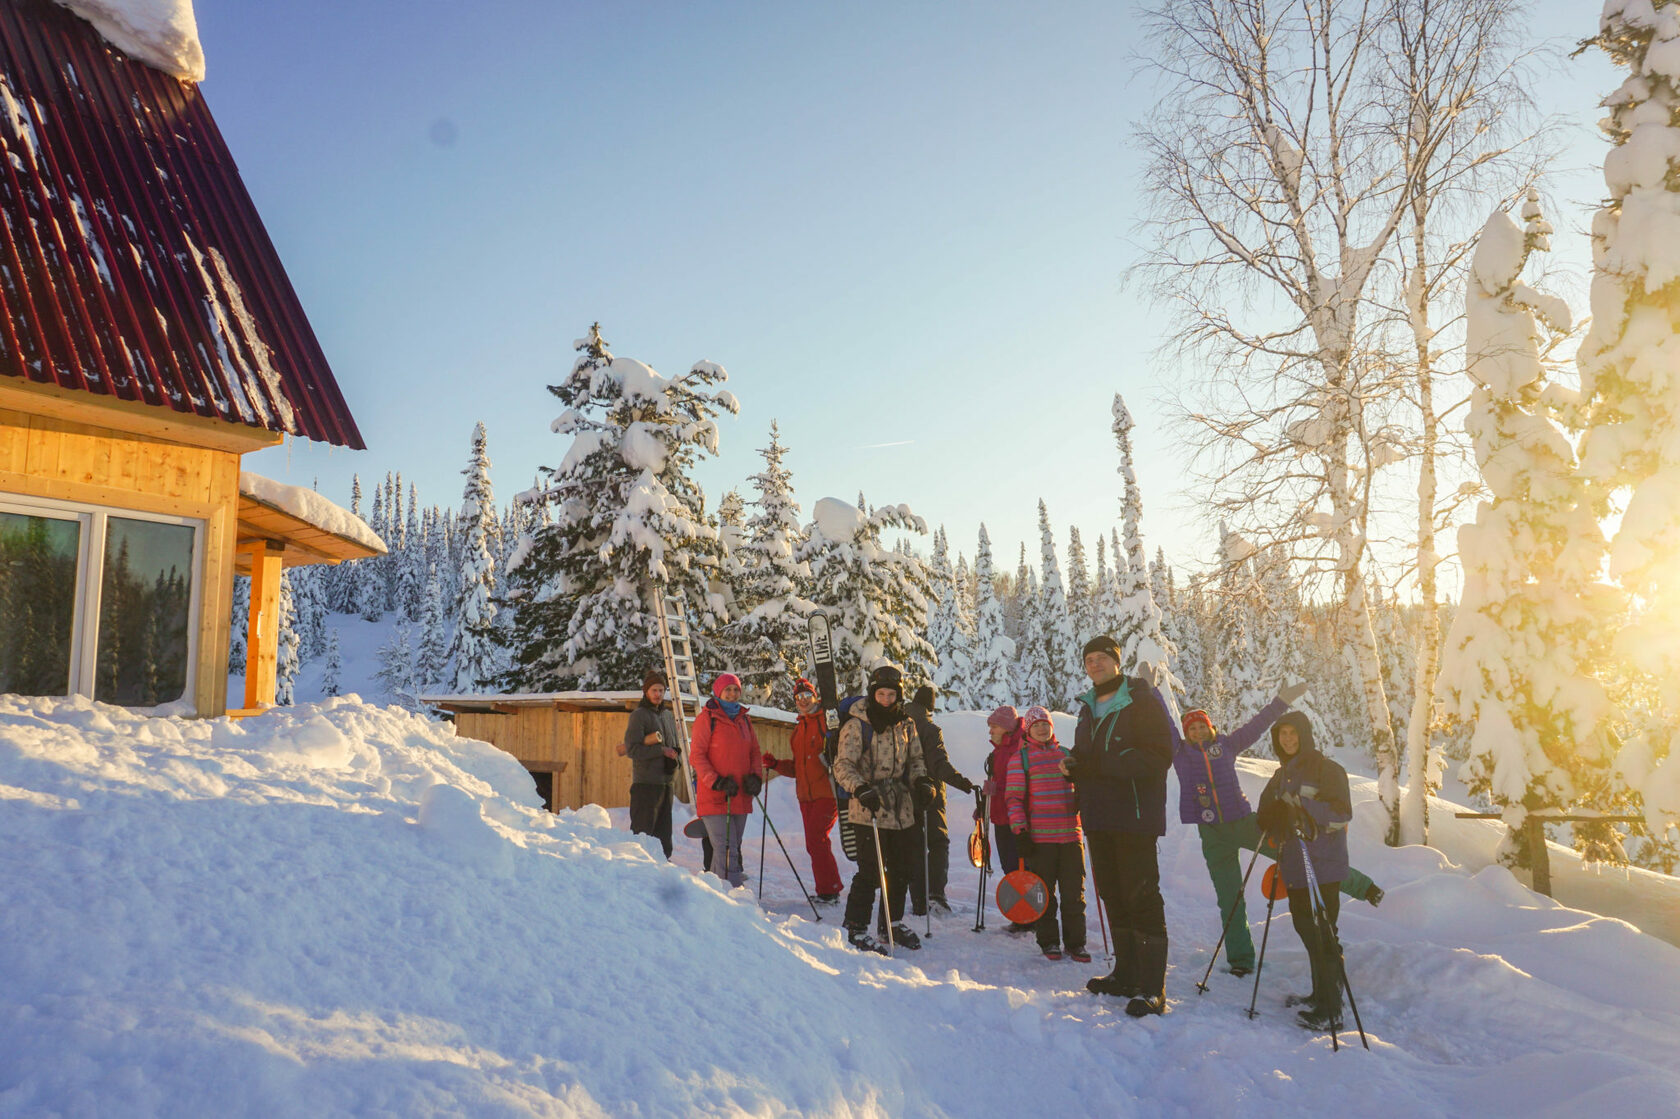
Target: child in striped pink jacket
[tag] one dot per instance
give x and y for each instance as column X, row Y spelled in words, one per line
column 1044, row 815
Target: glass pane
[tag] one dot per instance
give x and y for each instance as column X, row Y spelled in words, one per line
column 144, row 599
column 37, row 602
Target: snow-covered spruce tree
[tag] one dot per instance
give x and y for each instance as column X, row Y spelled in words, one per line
column 343, row 581
column 241, row 621
column 1061, row 644
column 473, row 648
column 1105, row 591
column 396, row 675
column 769, row 640
column 876, row 596
column 1032, row 663
column 1082, row 603
column 411, row 574
column 945, row 630
column 963, row 581
column 334, row 669
column 1531, row 624
column 626, row 515
column 431, row 655
column 1238, row 628
column 286, row 667
column 1140, row 638
column 993, row 655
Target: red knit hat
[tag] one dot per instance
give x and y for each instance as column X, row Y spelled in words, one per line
column 1004, row 717
column 1198, row 716
column 804, row 685
column 1037, row 714
column 723, row 681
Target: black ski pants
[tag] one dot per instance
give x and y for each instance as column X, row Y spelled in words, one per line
column 938, row 846
column 896, row 849
column 1062, row 866
column 1324, row 949
column 1128, row 880
column 650, row 812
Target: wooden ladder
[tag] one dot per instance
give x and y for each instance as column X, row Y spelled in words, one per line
column 680, row 673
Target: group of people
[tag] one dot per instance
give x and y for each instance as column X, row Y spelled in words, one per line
column 1050, row 807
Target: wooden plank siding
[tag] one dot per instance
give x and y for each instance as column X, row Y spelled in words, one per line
column 580, row 747
column 56, row 458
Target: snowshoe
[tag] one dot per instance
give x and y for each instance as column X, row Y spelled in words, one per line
column 1109, row 985
column 863, row 942
column 1140, row 1006
column 1240, row 970
column 1052, row 953
column 905, row 938
column 1079, row 955
column 1374, row 895
column 828, row 899
column 940, row 906
column 1319, row 1021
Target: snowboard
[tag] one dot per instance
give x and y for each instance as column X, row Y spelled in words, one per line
column 828, row 691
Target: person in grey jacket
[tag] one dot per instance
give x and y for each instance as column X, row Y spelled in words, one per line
column 650, row 742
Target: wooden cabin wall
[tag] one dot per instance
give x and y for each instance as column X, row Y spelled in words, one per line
column 585, row 743
column 48, row 457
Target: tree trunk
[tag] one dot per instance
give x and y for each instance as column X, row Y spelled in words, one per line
column 1414, row 807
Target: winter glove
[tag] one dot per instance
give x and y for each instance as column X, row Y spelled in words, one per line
column 769, row 761
column 963, row 784
column 727, row 786
column 1273, row 819
column 869, row 798
column 989, row 772
column 751, row 783
column 1305, row 826
column 1024, row 845
column 1069, row 767
column 924, row 791
column 1292, row 692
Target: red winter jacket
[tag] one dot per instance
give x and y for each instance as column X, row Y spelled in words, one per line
column 806, row 766
column 996, row 766
column 723, row 747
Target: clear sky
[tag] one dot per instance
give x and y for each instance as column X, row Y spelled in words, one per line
column 902, row 228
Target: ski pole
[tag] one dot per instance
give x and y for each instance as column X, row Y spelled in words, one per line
column 761, row 846
column 1102, row 918
column 881, row 866
column 1260, row 964
column 728, row 823
column 1329, row 941
column 764, row 807
column 1202, row 987
column 927, row 883
column 986, row 866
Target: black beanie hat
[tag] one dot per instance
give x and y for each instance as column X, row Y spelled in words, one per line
column 1103, row 643
column 887, row 676
column 924, row 697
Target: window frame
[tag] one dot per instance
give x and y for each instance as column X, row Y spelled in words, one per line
column 93, row 522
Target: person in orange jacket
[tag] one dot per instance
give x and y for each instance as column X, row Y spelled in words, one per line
column 814, row 788
column 728, row 773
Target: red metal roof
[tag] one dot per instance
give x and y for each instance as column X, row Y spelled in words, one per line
column 132, row 261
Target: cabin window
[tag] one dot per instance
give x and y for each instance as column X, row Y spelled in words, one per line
column 97, row 602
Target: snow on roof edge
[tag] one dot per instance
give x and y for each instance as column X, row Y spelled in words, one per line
column 163, row 34
column 532, row 699
column 311, row 507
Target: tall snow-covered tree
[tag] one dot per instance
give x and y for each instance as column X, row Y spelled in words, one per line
column 334, row 669
column 877, row 597
column 1530, row 626
column 626, row 515
column 993, row 655
column 286, row 667
column 1061, row 644
column 1031, row 673
column 473, row 648
column 945, row 629
column 431, row 654
column 1082, row 603
column 769, row 640
column 241, row 615
column 1140, row 637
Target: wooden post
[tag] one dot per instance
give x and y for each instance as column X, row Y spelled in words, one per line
column 1539, row 862
column 262, row 641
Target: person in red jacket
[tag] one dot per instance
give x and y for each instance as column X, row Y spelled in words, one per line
column 728, row 773
column 814, row 788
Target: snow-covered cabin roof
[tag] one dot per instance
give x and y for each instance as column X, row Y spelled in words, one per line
column 133, row 264
column 309, row 528
column 161, row 33
column 570, row 701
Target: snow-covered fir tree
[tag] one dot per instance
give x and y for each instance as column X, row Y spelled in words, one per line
column 627, row 516
column 993, row 655
column 1032, row 664
column 473, row 649
column 1082, row 603
column 344, row 582
column 945, row 629
column 396, row 676
column 431, row 655
column 286, row 667
column 1062, row 646
column 241, row 615
column 877, row 597
column 769, row 640
column 334, row 668
column 1531, row 623
column 1140, row 637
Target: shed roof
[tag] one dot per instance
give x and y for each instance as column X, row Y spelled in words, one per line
column 133, row 264
column 570, row 701
column 306, row 527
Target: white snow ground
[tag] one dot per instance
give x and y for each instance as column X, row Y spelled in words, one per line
column 339, row 909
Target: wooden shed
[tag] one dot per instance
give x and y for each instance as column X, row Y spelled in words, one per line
column 569, row 740
column 149, row 337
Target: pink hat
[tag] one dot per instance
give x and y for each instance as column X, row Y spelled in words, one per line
column 1036, row 714
column 1004, row 717
column 725, row 680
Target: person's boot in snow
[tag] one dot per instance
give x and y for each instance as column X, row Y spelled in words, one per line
column 1079, row 955
column 940, row 905
column 1320, row 1019
column 1297, row 1000
column 1140, row 1006
column 905, row 938
column 1051, row 951
column 1239, row 970
column 863, row 942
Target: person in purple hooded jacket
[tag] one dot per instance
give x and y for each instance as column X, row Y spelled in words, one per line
column 1307, row 802
column 1210, row 797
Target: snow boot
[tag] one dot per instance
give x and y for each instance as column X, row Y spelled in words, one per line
column 1374, row 895
column 828, row 899
column 1079, row 955
column 1111, row 984
column 904, row 937
column 863, row 942
column 1240, row 970
column 1320, row 1020
column 939, row 905
column 1297, row 1000
column 1052, row 952
column 1141, row 1006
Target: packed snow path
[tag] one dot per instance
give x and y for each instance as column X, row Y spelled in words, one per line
column 343, row 910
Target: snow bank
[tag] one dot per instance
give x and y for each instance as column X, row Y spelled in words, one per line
column 310, row 507
column 337, row 909
column 161, row 33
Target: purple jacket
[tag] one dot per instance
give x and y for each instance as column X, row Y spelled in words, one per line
column 1208, row 790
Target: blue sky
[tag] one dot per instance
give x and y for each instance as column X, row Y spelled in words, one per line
column 893, row 223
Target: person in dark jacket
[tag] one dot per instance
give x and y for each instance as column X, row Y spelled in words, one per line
column 650, row 742
column 1122, row 750
column 929, row 889
column 1307, row 800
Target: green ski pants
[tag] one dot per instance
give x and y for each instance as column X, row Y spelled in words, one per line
column 1220, row 844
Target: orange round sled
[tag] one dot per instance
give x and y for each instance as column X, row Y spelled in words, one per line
column 1022, row 895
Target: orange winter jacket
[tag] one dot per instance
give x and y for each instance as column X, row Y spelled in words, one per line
column 806, row 766
column 723, row 747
